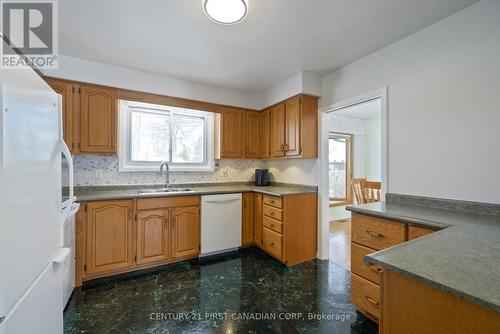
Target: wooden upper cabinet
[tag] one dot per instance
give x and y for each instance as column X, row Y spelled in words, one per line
column 252, row 134
column 265, row 135
column 109, row 236
column 232, row 133
column 248, row 219
column 97, row 119
column 185, row 232
column 66, row 90
column 278, row 130
column 292, row 126
column 309, row 126
column 153, row 236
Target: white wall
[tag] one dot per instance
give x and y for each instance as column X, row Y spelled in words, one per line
column 298, row 171
column 373, row 150
column 302, row 82
column 109, row 75
column 443, row 105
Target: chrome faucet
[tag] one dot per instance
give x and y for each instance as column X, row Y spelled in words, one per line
column 167, row 173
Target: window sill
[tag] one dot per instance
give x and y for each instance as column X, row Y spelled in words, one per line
column 334, row 203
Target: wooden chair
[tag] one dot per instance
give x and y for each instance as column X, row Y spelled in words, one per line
column 357, row 189
column 371, row 191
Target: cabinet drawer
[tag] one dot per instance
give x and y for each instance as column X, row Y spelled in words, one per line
column 358, row 265
column 273, row 212
column 365, row 294
column 272, row 224
column 273, row 243
column 415, row 232
column 273, row 201
column 376, row 233
column 167, row 202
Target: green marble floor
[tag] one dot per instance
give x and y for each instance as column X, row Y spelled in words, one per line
column 248, row 292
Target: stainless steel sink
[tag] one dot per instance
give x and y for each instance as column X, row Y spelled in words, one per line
column 163, row 190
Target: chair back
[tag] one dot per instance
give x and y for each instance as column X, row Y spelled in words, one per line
column 371, row 191
column 357, row 189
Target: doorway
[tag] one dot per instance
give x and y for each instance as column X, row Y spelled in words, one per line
column 353, row 146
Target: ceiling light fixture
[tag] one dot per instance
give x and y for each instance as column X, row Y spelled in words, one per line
column 226, row 11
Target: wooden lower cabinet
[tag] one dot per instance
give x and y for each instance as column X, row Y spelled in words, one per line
column 369, row 235
column 415, row 232
column 154, row 231
column 248, row 219
column 119, row 236
column 412, row 307
column 288, row 226
column 259, row 242
column 111, row 241
column 365, row 294
column 185, row 232
column 109, row 236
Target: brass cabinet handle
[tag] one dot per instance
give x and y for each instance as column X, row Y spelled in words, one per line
column 375, row 235
column 271, row 244
column 375, row 268
column 272, row 225
column 272, row 213
column 372, row 301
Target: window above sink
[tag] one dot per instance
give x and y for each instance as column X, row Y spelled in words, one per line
column 151, row 134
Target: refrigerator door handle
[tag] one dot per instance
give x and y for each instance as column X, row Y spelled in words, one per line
column 61, row 255
column 67, row 154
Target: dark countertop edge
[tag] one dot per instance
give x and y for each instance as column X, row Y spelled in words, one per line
column 368, row 259
column 433, row 284
column 104, row 197
column 405, row 219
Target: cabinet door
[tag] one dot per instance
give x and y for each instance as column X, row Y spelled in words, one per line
column 278, row 130
column 98, row 120
column 232, row 133
column 258, row 220
column 153, row 236
column 248, row 221
column 252, row 134
column 66, row 91
column 109, row 236
column 292, row 129
column 185, row 232
column 264, row 136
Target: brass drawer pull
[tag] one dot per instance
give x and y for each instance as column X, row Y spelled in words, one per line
column 375, row 235
column 272, row 225
column 375, row 268
column 271, row 244
column 372, row 301
column 272, row 213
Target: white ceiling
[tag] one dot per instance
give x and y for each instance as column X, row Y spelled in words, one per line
column 278, row 39
column 367, row 110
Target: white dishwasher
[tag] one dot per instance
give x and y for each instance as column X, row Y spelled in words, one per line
column 220, row 223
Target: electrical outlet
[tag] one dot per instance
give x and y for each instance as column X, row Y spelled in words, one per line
column 98, row 173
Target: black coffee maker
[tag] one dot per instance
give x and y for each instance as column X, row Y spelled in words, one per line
column 262, row 177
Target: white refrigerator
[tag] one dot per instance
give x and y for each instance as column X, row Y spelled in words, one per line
column 32, row 255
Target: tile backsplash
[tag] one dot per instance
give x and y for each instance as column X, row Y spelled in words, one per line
column 103, row 170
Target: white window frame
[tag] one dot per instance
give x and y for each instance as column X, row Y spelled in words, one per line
column 125, row 163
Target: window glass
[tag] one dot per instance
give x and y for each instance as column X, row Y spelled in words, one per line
column 188, row 139
column 150, row 136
